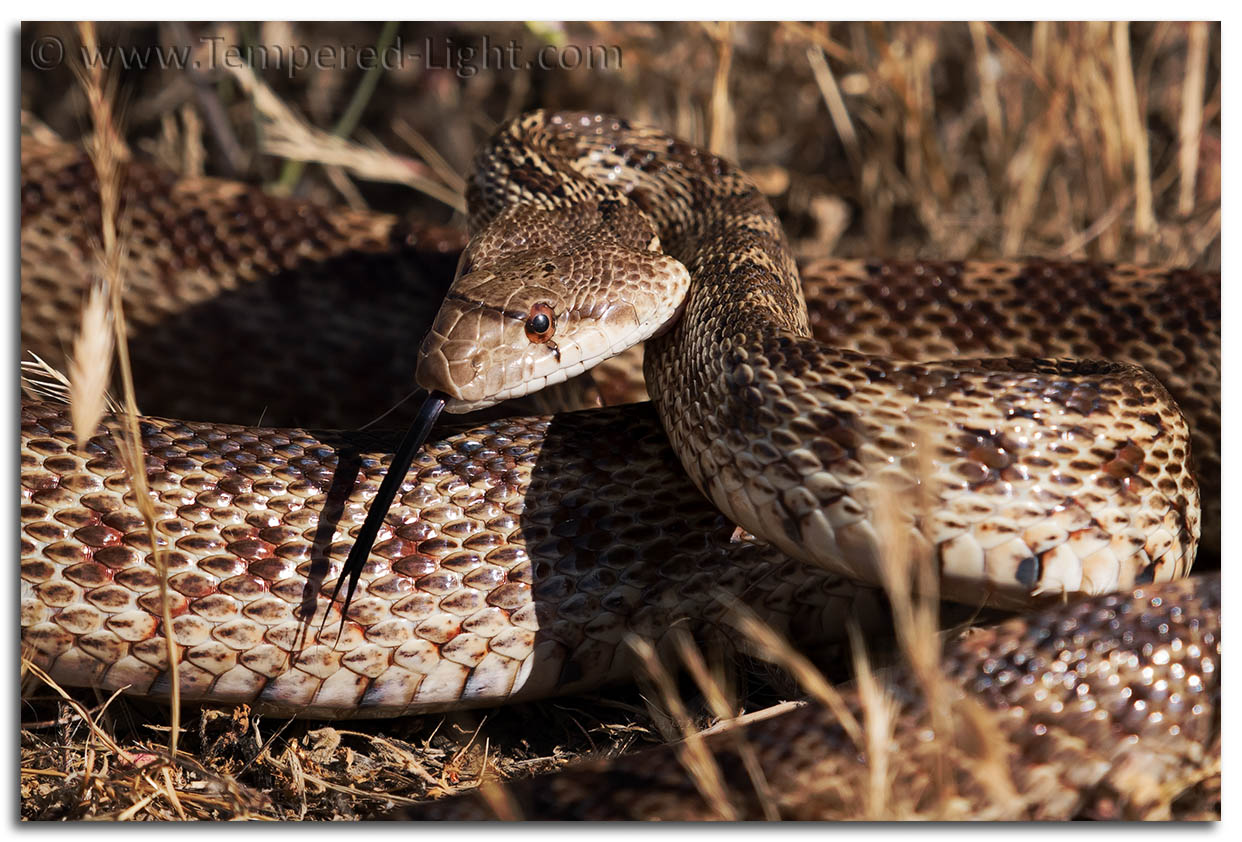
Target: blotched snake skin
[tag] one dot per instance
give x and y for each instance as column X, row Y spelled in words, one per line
column 1036, row 477
column 523, row 551
column 1097, row 706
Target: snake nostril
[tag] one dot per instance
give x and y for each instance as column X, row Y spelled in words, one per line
column 435, row 373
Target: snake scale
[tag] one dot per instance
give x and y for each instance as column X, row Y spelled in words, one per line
column 522, row 550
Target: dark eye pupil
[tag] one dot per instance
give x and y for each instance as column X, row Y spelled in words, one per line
column 539, row 323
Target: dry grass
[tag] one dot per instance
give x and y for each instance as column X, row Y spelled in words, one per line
column 108, row 152
column 1098, row 140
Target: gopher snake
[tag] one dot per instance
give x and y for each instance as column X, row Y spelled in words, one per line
column 1091, row 739
column 1036, row 476
column 240, row 507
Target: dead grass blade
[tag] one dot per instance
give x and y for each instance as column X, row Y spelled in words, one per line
column 1191, row 124
column 692, row 752
column 85, row 715
column 1028, row 170
column 42, row 380
column 772, row 646
column 90, row 367
column 718, row 703
column 107, row 152
column 425, row 150
column 722, row 135
column 879, row 722
column 292, row 172
column 837, row 109
column 287, row 136
column 1134, row 131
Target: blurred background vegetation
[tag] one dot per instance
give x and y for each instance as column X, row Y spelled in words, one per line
column 1095, row 140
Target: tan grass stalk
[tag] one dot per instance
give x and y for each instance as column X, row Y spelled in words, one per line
column 340, row 180
column 92, row 724
column 722, row 710
column 722, row 136
column 170, row 791
column 1080, row 71
column 824, row 42
column 837, row 109
column 909, row 579
column 879, row 721
column 777, row 649
column 40, row 379
column 138, row 806
column 754, row 716
column 1105, row 222
column 692, row 752
column 1028, row 170
column 1191, row 124
column 912, row 584
column 287, row 136
column 107, row 152
column 1029, row 66
column 425, row 150
column 193, row 155
column 90, row 366
column 1135, row 132
column 291, row 174
column 987, row 67
column 500, row 801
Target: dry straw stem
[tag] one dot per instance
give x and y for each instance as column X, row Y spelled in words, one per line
column 90, row 367
column 879, row 721
column 692, row 752
column 1191, row 125
column 837, row 108
column 348, row 121
column 715, row 695
column 286, row 135
column 43, row 381
column 1134, row 132
column 722, row 136
column 82, row 713
column 101, row 777
column 910, row 579
column 425, row 150
column 107, row 152
column 988, row 69
column 775, row 648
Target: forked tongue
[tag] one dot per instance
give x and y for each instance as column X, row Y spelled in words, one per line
column 419, row 429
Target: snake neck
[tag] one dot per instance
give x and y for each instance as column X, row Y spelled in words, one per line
column 707, row 213
column 745, row 296
column 861, row 462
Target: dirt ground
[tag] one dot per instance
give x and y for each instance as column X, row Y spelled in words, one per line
column 1095, row 141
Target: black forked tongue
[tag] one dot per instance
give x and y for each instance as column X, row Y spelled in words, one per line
column 401, row 461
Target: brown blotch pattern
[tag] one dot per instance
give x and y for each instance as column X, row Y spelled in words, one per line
column 478, row 590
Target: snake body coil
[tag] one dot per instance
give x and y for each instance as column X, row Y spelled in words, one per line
column 1043, row 725
column 1024, row 477
column 523, row 552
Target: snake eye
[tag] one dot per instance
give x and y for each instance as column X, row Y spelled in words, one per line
column 541, row 323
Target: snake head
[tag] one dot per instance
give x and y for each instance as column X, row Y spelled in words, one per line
column 535, row 320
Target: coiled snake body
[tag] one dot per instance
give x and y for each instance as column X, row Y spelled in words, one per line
column 1037, row 476
column 522, row 552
